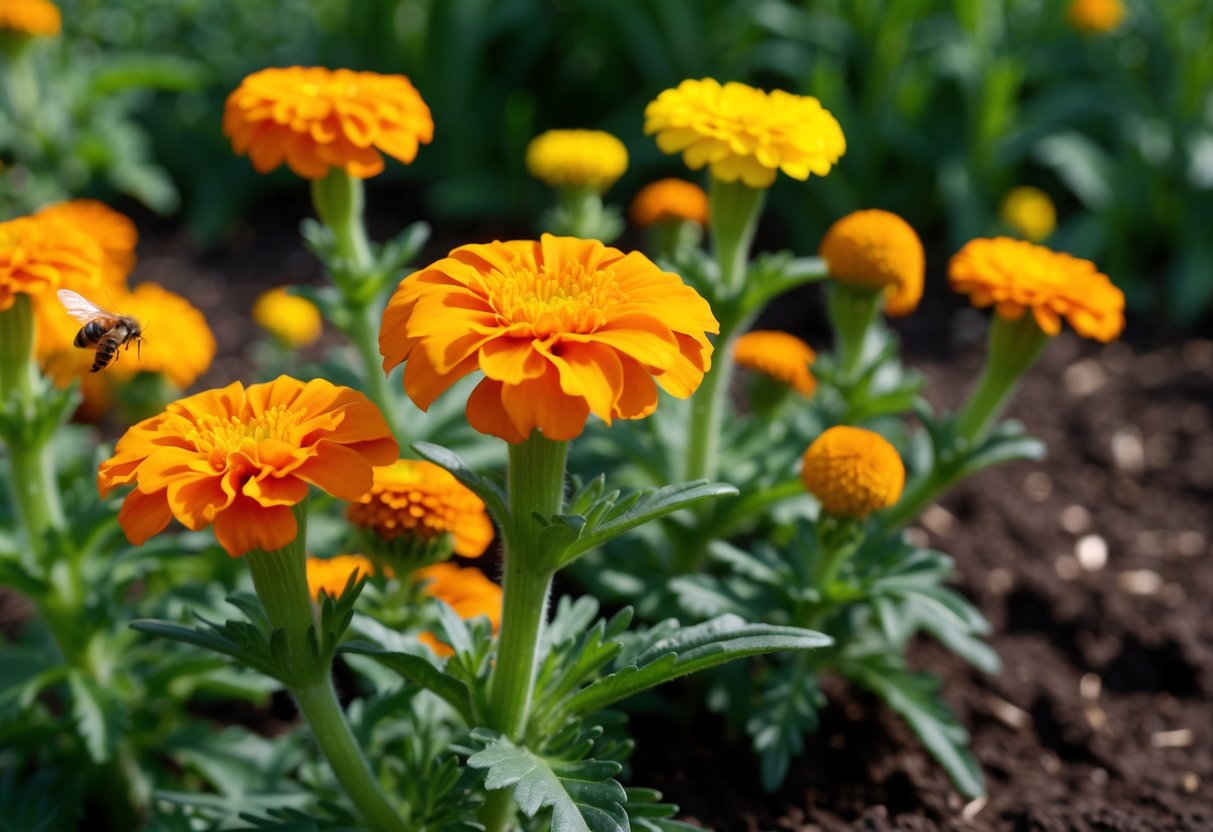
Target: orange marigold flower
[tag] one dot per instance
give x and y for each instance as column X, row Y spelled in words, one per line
column 780, row 355
column 414, row 497
column 670, row 199
column 561, row 328
column 877, row 250
column 577, row 159
column 291, row 319
column 239, row 458
column 30, row 17
column 38, row 256
column 113, row 231
column 1096, row 16
column 331, row 575
column 315, row 119
column 466, row 590
column 1015, row 276
column 853, row 472
column 744, row 133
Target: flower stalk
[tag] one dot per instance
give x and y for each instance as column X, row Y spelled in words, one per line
column 852, row 311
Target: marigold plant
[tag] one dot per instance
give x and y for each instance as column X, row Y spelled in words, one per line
column 1015, row 277
column 742, row 133
column 560, row 327
column 1096, row 16
column 466, row 590
column 417, row 498
column 780, row 355
column 315, row 119
column 237, row 458
column 39, row 255
column 577, row 159
column 669, row 200
column 876, row 249
column 114, row 232
column 293, row 320
column 853, row 472
column 1030, row 212
column 30, row 17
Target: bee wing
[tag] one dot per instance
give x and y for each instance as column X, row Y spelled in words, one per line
column 81, row 308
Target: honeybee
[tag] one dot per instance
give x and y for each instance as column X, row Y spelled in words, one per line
column 107, row 331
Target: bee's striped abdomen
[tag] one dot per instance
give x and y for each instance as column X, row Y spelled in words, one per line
column 92, row 332
column 105, row 353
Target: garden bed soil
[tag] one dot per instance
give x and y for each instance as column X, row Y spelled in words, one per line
column 1093, row 567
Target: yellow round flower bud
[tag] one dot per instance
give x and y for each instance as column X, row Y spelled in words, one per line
column 853, row 472
column 291, row 319
column 1030, row 212
column 577, row 159
column 877, row 250
column 1094, row 17
column 669, row 199
column 780, row 355
column 30, row 17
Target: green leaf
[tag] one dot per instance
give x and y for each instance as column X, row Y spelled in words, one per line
column 98, row 716
column 647, row 812
column 421, row 672
column 687, row 650
column 786, row 711
column 915, row 697
column 492, row 494
column 580, row 794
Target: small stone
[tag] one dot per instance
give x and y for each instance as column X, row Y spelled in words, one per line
column 1010, row 715
column 1092, row 552
column 1128, row 453
column 1000, row 581
column 1068, row 568
column 1075, row 519
column 1179, row 738
column 1090, row 686
column 1099, row 776
column 917, row 537
column 1050, row 763
column 1191, row 782
column 1189, row 544
column 1082, row 378
column 1096, row 717
column 1038, row 486
column 939, row 521
column 973, row 808
column 1140, row 581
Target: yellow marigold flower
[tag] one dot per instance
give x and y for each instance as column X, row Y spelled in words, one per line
column 577, row 159
column 1096, row 16
column 1030, row 212
column 1015, row 276
column 877, row 250
column 113, row 231
column 780, row 355
column 853, row 472
column 413, row 497
column 466, row 590
column 30, row 17
column 329, row 576
column 315, row 119
column 38, row 256
column 291, row 319
column 238, row 458
column 561, row 328
column 670, row 199
column 743, row 133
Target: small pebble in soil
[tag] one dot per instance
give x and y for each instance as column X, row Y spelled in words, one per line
column 1096, row 716
column 1068, row 568
column 939, row 521
column 1127, row 450
column 1050, row 763
column 1075, row 519
column 1140, row 581
column 1179, row 738
column 1189, row 544
column 917, row 537
column 1090, row 686
column 1000, row 581
column 973, row 808
column 1038, row 486
column 1084, row 377
column 1099, row 776
column 1191, row 782
column 1010, row 715
column 1092, row 552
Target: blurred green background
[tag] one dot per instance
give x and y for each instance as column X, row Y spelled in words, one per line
column 946, row 105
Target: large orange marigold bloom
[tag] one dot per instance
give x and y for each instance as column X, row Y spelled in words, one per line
column 329, row 576
column 561, row 328
column 39, row 255
column 1015, row 276
column 466, row 590
column 853, row 472
column 780, row 355
column 238, row 458
column 877, row 250
column 743, row 133
column 414, row 497
column 315, row 119
column 670, row 200
column 114, row 232
column 30, row 17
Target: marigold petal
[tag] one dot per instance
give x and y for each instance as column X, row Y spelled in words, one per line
column 337, row 469
column 246, row 526
column 144, row 516
column 487, row 414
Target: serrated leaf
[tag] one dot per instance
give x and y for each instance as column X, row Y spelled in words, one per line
column 421, row 672
column 786, row 711
column 492, row 494
column 98, row 716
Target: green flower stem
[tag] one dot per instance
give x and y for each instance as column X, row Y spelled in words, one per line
column 669, row 238
column 583, row 215
column 1014, row 347
column 734, row 208
column 280, row 578
column 852, row 311
column 365, row 320
column 707, row 409
column 339, row 200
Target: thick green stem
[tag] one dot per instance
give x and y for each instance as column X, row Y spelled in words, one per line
column 1014, row 347
column 363, row 331
column 280, row 578
column 707, row 409
column 852, row 311
column 734, row 218
column 339, row 201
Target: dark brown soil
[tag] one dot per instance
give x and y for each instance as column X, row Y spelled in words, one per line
column 1093, row 567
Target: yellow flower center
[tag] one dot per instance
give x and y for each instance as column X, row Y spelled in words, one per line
column 572, row 299
column 228, row 434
